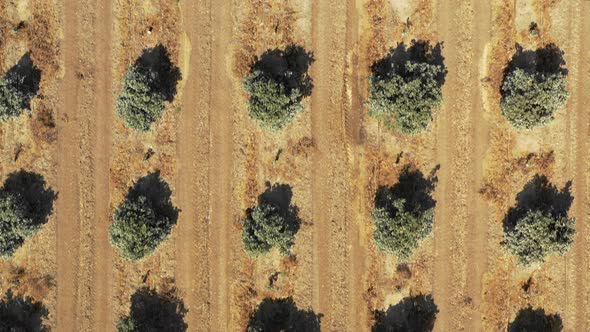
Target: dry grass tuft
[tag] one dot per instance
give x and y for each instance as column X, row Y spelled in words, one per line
column 268, row 25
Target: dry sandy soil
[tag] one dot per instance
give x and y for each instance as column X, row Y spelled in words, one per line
column 217, row 161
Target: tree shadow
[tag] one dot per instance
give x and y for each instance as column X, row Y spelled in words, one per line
column 412, row 186
column 289, row 66
column 33, row 189
column 548, row 59
column 151, row 311
column 283, row 315
column 280, row 195
column 25, row 77
column 535, row 320
column 155, row 189
column 19, row 313
column 420, row 51
column 164, row 74
column 412, row 314
column 540, row 194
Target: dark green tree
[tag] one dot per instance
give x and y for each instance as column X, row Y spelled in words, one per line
column 276, row 85
column 144, row 219
column 534, row 87
column 538, row 225
column 282, row 315
column 406, row 87
column 17, row 87
column 531, row 99
column 404, row 214
column 137, row 105
column 153, row 312
column 137, row 230
column 267, row 227
column 538, row 234
column 149, row 82
column 21, row 314
column 16, row 223
column 412, row 314
column 529, row 320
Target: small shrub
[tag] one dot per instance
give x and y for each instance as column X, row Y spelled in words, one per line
column 276, row 85
column 17, row 87
column 267, row 227
column 406, row 87
column 151, row 311
column 404, row 214
column 538, row 234
column 16, row 223
column 137, row 229
column 530, row 99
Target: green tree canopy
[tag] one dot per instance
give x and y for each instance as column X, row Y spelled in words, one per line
column 276, row 85
column 152, row 311
column 406, row 87
column 282, row 315
column 137, row 230
column 17, row 87
column 404, row 214
column 534, row 86
column 538, row 234
column 21, row 314
column 267, row 227
column 530, row 99
column 529, row 319
column 413, row 313
column 149, row 82
column 137, row 105
column 538, row 225
column 16, row 223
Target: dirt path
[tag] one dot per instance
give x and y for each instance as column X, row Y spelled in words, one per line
column 356, row 70
column 330, row 174
column 580, row 101
column 192, row 270
column 478, row 213
column 220, row 166
column 103, row 112
column 84, row 254
column 68, row 203
column 461, row 133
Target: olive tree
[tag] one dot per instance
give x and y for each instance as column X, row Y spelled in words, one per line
column 407, row 100
column 282, row 315
column 153, row 311
column 276, row 85
column 399, row 230
column 22, row 314
column 404, row 213
column 138, row 105
column 137, row 229
column 530, row 98
column 148, row 84
column 271, row 102
column 16, row 223
column 538, row 233
column 17, row 87
column 267, row 227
